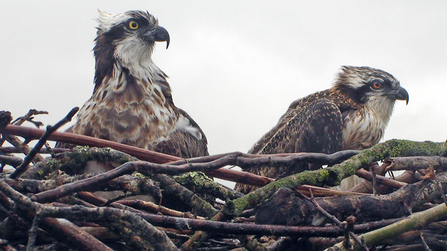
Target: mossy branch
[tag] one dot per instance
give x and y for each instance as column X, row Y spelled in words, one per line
column 333, row 175
column 415, row 221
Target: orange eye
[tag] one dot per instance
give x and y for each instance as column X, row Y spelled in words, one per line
column 377, row 85
column 133, row 25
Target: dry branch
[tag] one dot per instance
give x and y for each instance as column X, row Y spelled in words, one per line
column 287, row 209
column 416, row 163
column 415, row 221
column 144, row 236
column 380, row 179
column 72, row 234
column 333, row 175
column 155, row 157
column 148, row 226
column 50, row 129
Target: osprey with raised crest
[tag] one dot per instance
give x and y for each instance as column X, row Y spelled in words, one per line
column 131, row 101
column 353, row 114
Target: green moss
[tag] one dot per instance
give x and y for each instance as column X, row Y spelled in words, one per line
column 196, row 179
column 83, row 154
column 412, row 148
column 333, row 175
column 138, row 175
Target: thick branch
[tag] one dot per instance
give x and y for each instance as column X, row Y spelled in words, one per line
column 245, row 160
column 50, row 129
column 73, row 234
column 333, row 175
column 32, row 133
column 142, row 236
column 416, row 163
column 286, row 209
column 415, row 221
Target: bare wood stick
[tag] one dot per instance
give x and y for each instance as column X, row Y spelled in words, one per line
column 241, row 228
column 380, row 179
column 142, row 235
column 414, row 221
column 50, row 129
column 32, row 233
column 10, row 160
column 77, row 139
column 156, row 157
column 416, row 162
column 321, row 191
column 29, row 117
column 5, row 119
column 9, row 149
column 147, row 205
column 24, row 148
column 336, row 221
column 73, row 234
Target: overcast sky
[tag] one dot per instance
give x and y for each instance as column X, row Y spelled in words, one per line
column 235, row 66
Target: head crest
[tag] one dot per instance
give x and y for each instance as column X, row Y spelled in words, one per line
column 107, row 21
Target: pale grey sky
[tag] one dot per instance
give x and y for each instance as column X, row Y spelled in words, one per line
column 235, row 66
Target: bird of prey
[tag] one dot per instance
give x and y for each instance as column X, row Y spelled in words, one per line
column 353, row 115
column 131, row 101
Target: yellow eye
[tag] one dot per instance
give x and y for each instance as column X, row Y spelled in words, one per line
column 133, row 25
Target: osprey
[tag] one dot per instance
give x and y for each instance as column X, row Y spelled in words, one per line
column 131, row 101
column 353, row 114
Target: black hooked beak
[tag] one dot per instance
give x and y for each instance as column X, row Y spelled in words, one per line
column 160, row 34
column 400, row 94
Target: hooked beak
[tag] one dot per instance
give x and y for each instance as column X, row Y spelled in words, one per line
column 160, row 34
column 400, row 94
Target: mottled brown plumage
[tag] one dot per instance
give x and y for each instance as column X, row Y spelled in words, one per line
column 131, row 101
column 353, row 114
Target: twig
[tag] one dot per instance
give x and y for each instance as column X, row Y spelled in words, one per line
column 5, row 119
column 25, row 149
column 33, row 230
column 7, row 149
column 142, row 236
column 198, row 204
column 321, row 210
column 323, row 192
column 347, row 228
column 416, row 162
column 146, row 168
column 155, row 157
column 414, row 221
column 109, row 216
column 424, row 244
column 50, row 129
column 333, row 175
column 78, row 139
column 10, row 160
column 287, row 209
column 374, row 180
column 29, row 117
column 67, row 232
column 334, row 219
column 200, row 236
column 380, row 179
column 237, row 228
column 150, row 206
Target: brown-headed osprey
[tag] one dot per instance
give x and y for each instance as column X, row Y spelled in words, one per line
column 131, row 101
column 353, row 114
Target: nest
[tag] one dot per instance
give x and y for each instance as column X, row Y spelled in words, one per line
column 48, row 203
